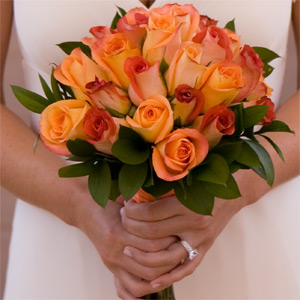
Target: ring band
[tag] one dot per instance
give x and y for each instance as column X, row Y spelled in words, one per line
column 192, row 252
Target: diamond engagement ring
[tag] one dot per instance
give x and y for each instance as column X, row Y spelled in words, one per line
column 192, row 252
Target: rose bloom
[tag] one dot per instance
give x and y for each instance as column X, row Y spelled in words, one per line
column 261, row 90
column 110, row 53
column 101, row 128
column 63, row 121
column 105, row 94
column 218, row 121
column 153, row 119
column 188, row 103
column 133, row 25
column 76, row 70
column 221, row 84
column 270, row 116
column 145, row 80
column 163, row 38
column 143, row 197
column 98, row 32
column 178, row 152
column 206, row 21
column 186, row 67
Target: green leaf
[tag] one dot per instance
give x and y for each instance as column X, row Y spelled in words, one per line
column 115, row 21
column 268, row 69
column 163, row 66
column 78, row 170
column 130, row 152
column 239, row 118
column 55, row 88
column 131, row 179
column 254, row 114
column 47, row 90
column 228, row 191
column 248, row 156
column 114, row 113
column 275, row 126
column 36, row 143
column 234, row 167
column 276, row 148
column 81, row 148
column 215, row 170
column 230, row 25
column 114, row 191
column 122, row 11
column 99, row 183
column 30, row 100
column 195, row 197
column 159, row 188
column 150, row 176
column 264, row 159
column 132, row 110
column 230, row 150
column 266, row 54
column 68, row 47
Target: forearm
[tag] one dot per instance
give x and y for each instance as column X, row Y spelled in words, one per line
column 33, row 177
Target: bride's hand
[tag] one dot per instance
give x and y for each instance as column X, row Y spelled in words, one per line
column 105, row 230
column 167, row 218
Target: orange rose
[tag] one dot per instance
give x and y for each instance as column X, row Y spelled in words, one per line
column 63, row 121
column 143, row 197
column 110, row 53
column 145, row 80
column 180, row 151
column 186, row 67
column 76, row 70
column 153, row 119
column 218, row 121
column 221, row 84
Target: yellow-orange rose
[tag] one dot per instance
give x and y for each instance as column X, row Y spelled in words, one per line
column 76, row 70
column 62, row 121
column 221, row 83
column 180, row 151
column 153, row 119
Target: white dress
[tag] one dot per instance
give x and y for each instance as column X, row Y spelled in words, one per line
column 255, row 257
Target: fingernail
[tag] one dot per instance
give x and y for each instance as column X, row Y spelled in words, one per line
column 127, row 252
column 155, row 285
column 122, row 211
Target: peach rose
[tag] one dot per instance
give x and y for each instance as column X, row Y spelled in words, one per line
column 218, row 121
column 188, row 103
column 110, row 53
column 163, row 38
column 76, row 70
column 261, row 90
column 106, row 95
column 186, row 67
column 145, row 80
column 180, row 151
column 63, row 121
column 221, row 83
column 153, row 119
column 216, row 45
column 132, row 25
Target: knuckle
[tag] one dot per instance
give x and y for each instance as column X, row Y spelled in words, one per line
column 149, row 231
column 153, row 246
column 137, row 291
column 150, row 275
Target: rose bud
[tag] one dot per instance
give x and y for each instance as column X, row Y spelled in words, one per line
column 218, row 121
column 98, row 32
column 102, row 128
column 221, row 84
column 110, row 53
column 178, row 152
column 105, row 94
column 63, row 121
column 153, row 119
column 186, row 67
column 145, row 80
column 270, row 116
column 76, row 70
column 188, row 103
column 216, row 45
column 132, row 25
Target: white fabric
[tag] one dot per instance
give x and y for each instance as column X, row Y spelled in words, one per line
column 255, row 257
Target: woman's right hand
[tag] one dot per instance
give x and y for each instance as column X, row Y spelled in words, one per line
column 104, row 228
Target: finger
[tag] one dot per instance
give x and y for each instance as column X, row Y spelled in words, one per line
column 122, row 292
column 169, row 257
column 153, row 211
column 177, row 274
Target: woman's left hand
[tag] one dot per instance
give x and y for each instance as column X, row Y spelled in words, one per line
column 168, row 217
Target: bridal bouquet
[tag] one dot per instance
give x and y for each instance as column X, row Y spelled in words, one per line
column 162, row 102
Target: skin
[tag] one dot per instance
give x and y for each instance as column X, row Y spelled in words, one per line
column 149, row 268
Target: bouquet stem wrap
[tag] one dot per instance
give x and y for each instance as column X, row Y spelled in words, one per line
column 166, row 294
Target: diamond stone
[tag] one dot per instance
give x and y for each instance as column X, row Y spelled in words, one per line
column 193, row 254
